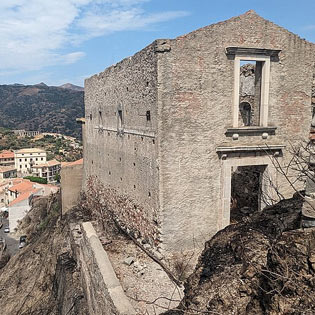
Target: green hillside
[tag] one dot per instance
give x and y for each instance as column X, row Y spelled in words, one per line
column 41, row 107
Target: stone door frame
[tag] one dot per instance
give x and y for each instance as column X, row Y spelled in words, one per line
column 242, row 159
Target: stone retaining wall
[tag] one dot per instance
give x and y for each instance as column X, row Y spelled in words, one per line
column 102, row 289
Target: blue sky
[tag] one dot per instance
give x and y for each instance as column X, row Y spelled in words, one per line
column 60, row 41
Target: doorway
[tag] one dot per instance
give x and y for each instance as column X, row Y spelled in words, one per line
column 256, row 165
column 246, row 191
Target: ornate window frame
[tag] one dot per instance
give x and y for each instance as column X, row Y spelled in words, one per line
column 252, row 54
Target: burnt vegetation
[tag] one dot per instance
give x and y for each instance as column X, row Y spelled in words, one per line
column 262, row 265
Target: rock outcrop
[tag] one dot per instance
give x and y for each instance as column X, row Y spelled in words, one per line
column 263, row 265
column 43, row 278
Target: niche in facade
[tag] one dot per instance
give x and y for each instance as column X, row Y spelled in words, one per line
column 246, row 114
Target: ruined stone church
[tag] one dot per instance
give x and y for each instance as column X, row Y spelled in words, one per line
column 169, row 127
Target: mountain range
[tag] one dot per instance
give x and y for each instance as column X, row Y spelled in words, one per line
column 41, row 107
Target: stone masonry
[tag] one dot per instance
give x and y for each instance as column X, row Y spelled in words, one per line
column 162, row 127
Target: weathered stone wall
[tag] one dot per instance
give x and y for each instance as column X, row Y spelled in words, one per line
column 71, row 185
column 195, row 106
column 168, row 165
column 110, row 208
column 102, row 289
column 123, row 155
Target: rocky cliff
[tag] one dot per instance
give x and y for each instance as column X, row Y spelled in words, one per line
column 43, row 278
column 263, row 265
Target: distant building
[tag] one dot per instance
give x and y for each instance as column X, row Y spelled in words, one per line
column 17, row 188
column 19, row 198
column 4, row 186
column 6, row 158
column 7, row 172
column 26, row 133
column 25, row 158
column 47, row 170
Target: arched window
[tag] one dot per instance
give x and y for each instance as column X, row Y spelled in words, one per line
column 246, row 113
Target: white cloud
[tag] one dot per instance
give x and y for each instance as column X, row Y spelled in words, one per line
column 120, row 20
column 39, row 33
column 72, row 57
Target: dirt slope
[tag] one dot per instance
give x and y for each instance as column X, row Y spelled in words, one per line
column 42, row 278
column 264, row 265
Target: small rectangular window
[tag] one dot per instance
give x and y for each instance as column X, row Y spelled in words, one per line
column 148, row 115
column 100, row 117
column 120, row 118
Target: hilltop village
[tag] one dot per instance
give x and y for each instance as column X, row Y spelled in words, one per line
column 30, row 172
column 195, row 194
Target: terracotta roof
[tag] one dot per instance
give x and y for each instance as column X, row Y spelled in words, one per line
column 23, row 196
column 6, row 168
column 6, row 154
column 11, row 181
column 46, row 164
column 77, row 162
column 30, row 150
column 15, row 181
column 22, row 187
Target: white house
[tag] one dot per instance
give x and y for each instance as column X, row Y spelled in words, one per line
column 24, row 159
column 19, row 199
column 7, row 172
column 47, row 170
